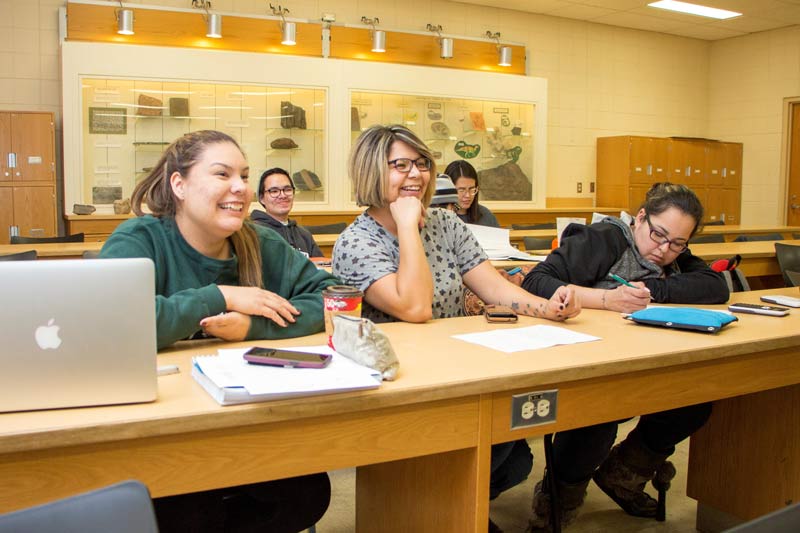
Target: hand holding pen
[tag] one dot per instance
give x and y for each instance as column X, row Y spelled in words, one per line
column 626, row 298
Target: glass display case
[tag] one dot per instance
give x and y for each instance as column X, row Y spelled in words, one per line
column 495, row 137
column 127, row 124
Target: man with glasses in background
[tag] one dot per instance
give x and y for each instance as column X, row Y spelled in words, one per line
column 276, row 194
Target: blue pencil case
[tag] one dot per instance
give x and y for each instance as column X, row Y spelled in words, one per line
column 690, row 318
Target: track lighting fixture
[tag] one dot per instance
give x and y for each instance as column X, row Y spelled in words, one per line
column 445, row 43
column 378, row 36
column 124, row 20
column 213, row 20
column 503, row 52
column 288, row 29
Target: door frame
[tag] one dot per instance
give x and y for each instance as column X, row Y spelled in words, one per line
column 786, row 144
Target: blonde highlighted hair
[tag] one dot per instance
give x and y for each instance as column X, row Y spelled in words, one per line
column 368, row 166
column 156, row 192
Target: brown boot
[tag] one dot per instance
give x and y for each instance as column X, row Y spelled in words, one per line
column 626, row 471
column 571, row 498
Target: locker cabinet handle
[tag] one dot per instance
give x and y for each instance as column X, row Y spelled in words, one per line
column 649, row 170
column 12, row 160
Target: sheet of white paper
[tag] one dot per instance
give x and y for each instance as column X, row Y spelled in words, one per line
column 497, row 244
column 563, row 222
column 529, row 338
column 230, row 369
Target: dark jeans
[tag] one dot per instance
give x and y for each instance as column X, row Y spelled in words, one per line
column 281, row 506
column 578, row 452
column 511, row 464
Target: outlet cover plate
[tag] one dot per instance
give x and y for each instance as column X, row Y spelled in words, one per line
column 533, row 408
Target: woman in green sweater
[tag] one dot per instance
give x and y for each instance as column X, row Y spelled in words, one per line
column 218, row 275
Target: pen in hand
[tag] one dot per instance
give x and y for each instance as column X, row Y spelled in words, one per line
column 626, row 282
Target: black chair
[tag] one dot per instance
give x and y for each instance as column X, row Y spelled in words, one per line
column 549, row 225
column 327, row 229
column 796, row 235
column 30, row 255
column 536, row 243
column 124, row 508
column 788, row 259
column 702, row 239
column 91, row 254
column 715, row 223
column 77, row 237
column 794, row 277
column 767, row 237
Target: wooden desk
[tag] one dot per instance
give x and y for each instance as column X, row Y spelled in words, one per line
column 53, row 250
column 416, row 438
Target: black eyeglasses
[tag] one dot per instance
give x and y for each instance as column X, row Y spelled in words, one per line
column 404, row 164
column 675, row 245
column 274, row 192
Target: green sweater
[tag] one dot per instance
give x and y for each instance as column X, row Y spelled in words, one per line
column 187, row 281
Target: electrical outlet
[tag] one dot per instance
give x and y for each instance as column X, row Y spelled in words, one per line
column 580, row 187
column 591, row 186
column 533, row 408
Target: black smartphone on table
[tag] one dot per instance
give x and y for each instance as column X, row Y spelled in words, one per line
column 258, row 355
column 758, row 309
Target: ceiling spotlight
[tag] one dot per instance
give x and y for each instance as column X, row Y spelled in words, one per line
column 445, row 43
column 124, row 20
column 288, row 29
column 503, row 52
column 213, row 20
column 378, row 36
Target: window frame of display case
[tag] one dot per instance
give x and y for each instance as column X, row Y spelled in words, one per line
column 337, row 78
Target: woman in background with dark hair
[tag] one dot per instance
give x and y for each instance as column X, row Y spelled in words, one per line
column 470, row 210
column 653, row 254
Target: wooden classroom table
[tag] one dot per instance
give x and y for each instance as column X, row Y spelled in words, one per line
column 53, row 250
column 758, row 257
column 421, row 444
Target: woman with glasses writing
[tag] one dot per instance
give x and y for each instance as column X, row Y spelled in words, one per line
column 412, row 262
column 276, row 194
column 466, row 180
column 653, row 259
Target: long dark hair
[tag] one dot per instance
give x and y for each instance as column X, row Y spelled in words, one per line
column 664, row 195
column 460, row 168
column 156, row 191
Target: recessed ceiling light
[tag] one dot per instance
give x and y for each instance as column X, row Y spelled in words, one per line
column 694, row 9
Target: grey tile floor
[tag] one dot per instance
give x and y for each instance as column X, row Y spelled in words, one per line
column 510, row 511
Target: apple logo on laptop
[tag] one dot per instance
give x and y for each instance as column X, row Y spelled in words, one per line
column 47, row 336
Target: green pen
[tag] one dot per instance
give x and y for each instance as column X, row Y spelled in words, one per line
column 622, row 280
column 626, row 282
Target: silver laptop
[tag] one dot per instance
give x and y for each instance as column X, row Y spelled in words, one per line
column 76, row 333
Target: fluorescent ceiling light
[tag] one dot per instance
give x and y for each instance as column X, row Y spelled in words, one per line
column 694, row 9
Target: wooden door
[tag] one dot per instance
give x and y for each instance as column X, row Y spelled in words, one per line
column 636, row 194
column 33, row 142
column 6, row 213
column 715, row 163
column 35, row 210
column 641, row 159
column 5, row 146
column 731, row 201
column 732, row 171
column 660, row 160
column 687, row 162
column 793, row 189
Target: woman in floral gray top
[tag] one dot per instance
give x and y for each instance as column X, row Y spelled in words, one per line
column 412, row 262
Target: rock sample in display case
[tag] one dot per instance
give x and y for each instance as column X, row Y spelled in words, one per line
column 106, row 194
column 306, row 180
column 292, row 116
column 283, row 143
column 149, row 106
column 179, row 107
column 506, row 182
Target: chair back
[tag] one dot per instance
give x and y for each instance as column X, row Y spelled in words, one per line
column 788, row 257
column 29, row 255
column 794, row 277
column 702, row 239
column 537, row 243
column 123, row 508
column 715, row 223
column 77, row 237
column 91, row 254
column 327, row 229
column 767, row 237
column 549, row 225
